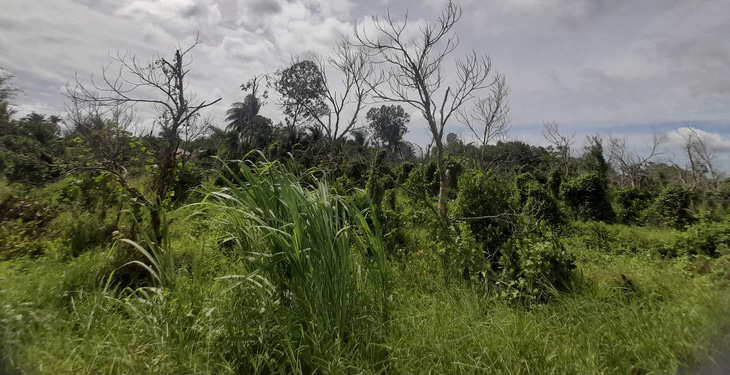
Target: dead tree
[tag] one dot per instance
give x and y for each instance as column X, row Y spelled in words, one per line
column 630, row 161
column 345, row 106
column 489, row 119
column 700, row 157
column 562, row 144
column 413, row 72
column 162, row 84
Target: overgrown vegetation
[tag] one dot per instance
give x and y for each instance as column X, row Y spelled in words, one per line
column 315, row 247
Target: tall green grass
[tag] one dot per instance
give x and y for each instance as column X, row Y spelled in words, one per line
column 322, row 256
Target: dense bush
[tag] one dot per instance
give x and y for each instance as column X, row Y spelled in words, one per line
column 482, row 195
column 711, row 239
column 631, row 204
column 532, row 267
column 587, row 198
column 671, row 208
column 533, row 199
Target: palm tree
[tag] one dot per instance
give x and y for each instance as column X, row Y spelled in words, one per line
column 240, row 116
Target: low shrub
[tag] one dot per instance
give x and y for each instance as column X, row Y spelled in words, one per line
column 534, row 199
column 671, row 208
column 710, row 239
column 631, row 205
column 482, row 195
column 620, row 239
column 587, row 198
column 531, row 268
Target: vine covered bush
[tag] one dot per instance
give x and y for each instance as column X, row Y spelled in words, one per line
column 587, row 197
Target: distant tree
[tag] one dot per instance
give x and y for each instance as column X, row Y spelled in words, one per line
column 6, row 92
column 489, row 119
column 308, row 93
column 29, row 148
column 302, row 91
column 593, row 159
column 454, row 143
column 562, row 144
column 630, row 161
column 701, row 158
column 388, row 125
column 243, row 117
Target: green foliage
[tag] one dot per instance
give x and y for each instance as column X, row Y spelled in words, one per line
column 462, row 254
column 671, row 208
column 621, row 239
column 188, row 176
column 28, row 148
column 481, row 195
column 710, row 239
column 532, row 268
column 533, row 199
column 302, row 88
column 405, row 171
column 632, row 204
column 587, row 198
column 92, row 192
column 388, row 125
column 83, row 231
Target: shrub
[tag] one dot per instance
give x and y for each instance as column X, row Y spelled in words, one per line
column 405, row 171
column 671, row 208
column 632, row 204
column 612, row 238
column 188, row 176
column 83, row 230
column 532, row 198
column 484, row 195
column 587, row 198
column 530, row 268
column 704, row 238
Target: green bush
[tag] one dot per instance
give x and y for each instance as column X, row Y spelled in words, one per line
column 531, row 268
column 533, row 199
column 620, row 239
column 587, row 198
column 462, row 254
column 188, row 176
column 671, row 208
column 631, row 205
column 482, row 195
column 711, row 239
column 405, row 171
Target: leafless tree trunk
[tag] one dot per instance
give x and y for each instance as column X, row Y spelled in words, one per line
column 162, row 84
column 630, row 161
column 412, row 68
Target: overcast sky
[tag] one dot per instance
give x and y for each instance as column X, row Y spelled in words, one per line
column 593, row 66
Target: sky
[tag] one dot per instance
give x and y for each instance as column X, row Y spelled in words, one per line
column 622, row 67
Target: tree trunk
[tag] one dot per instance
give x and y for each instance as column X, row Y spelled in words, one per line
column 443, row 180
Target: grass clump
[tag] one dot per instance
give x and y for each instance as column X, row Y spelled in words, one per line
column 317, row 260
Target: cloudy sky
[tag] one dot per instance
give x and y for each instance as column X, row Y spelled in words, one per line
column 593, row 66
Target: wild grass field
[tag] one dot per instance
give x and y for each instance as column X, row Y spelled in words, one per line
column 267, row 273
